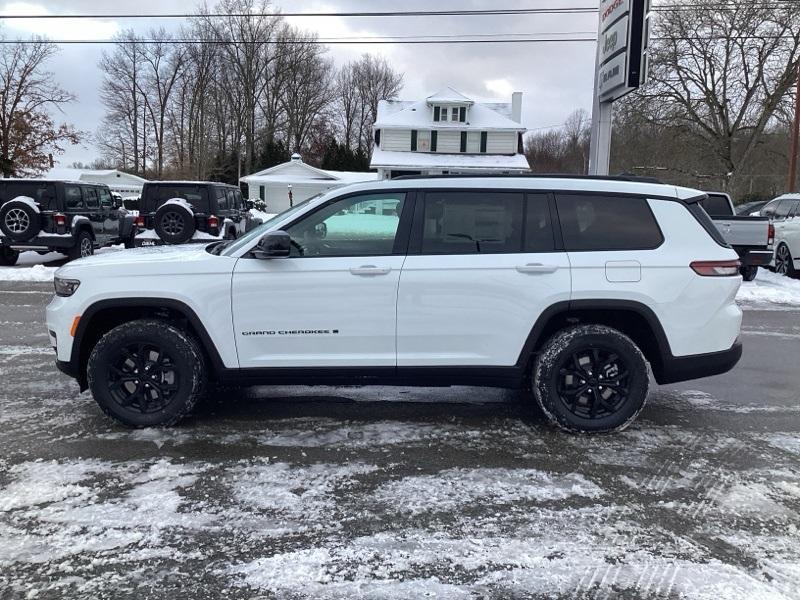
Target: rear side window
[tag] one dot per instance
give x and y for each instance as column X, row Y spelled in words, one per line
column 73, row 200
column 195, row 195
column 472, row 223
column 717, row 205
column 43, row 193
column 92, row 199
column 595, row 222
column 222, row 199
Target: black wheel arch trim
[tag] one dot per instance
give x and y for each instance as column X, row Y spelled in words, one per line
column 76, row 367
column 666, row 367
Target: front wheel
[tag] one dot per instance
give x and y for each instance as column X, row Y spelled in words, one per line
column 8, row 256
column 590, row 379
column 147, row 373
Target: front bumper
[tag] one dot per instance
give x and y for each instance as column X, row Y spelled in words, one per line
column 696, row 366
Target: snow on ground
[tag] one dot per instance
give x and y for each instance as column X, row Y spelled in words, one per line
column 770, row 288
column 35, row 267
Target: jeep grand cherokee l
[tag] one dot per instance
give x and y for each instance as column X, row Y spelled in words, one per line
column 567, row 287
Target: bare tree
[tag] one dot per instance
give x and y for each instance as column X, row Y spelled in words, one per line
column 27, row 133
column 721, row 74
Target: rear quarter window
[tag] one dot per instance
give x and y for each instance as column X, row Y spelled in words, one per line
column 607, row 222
column 43, row 193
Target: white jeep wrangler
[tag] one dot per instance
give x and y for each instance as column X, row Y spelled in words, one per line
column 567, row 287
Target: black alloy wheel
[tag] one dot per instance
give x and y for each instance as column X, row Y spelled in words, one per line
column 593, row 382
column 147, row 373
column 784, row 264
column 590, row 379
column 143, row 378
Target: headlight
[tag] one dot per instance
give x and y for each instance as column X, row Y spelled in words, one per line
column 65, row 287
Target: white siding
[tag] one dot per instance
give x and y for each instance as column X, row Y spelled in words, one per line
column 501, row 142
column 448, row 142
column 396, row 139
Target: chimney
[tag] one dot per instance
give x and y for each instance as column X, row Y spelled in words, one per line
column 516, row 107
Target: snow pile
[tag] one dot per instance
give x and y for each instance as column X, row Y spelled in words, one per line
column 37, row 273
column 770, row 288
column 264, row 216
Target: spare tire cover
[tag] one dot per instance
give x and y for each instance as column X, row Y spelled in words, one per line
column 19, row 220
column 174, row 223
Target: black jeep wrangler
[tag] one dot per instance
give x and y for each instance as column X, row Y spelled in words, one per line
column 59, row 216
column 175, row 212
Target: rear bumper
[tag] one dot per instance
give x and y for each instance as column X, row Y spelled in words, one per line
column 696, row 366
column 757, row 258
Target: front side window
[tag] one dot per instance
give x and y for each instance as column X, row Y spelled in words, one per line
column 594, row 222
column 472, row 222
column 105, row 197
column 769, row 209
column 73, row 200
column 364, row 225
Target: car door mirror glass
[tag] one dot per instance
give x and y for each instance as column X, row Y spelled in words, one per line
column 275, row 244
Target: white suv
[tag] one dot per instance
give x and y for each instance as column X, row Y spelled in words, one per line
column 784, row 213
column 564, row 286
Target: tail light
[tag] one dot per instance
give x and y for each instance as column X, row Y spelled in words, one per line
column 213, row 222
column 770, row 235
column 60, row 220
column 139, row 221
column 716, row 268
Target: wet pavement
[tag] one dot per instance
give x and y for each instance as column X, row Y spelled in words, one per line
column 281, row 492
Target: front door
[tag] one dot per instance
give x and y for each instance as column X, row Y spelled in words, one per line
column 481, row 268
column 332, row 302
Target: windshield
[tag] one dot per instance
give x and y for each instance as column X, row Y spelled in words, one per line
column 264, row 227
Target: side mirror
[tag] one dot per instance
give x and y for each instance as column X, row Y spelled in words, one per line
column 249, row 204
column 275, row 244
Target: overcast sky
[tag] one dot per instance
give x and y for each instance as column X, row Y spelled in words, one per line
column 555, row 78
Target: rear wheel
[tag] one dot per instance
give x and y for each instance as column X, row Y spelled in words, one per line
column 784, row 263
column 19, row 220
column 590, row 379
column 147, row 373
column 8, row 256
column 749, row 273
column 84, row 246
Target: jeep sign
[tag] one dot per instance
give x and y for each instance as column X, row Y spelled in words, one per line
column 622, row 63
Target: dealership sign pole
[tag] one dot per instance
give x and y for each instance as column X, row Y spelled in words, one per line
column 621, row 67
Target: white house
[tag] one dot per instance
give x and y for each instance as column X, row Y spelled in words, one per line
column 119, row 182
column 302, row 180
column 448, row 133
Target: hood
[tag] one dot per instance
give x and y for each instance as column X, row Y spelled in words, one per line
column 154, row 260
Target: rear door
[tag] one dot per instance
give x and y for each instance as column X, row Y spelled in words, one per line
column 94, row 212
column 74, row 206
column 482, row 266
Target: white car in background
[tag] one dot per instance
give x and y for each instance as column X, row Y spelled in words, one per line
column 784, row 213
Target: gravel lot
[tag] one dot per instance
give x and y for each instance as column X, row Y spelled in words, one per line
column 400, row 493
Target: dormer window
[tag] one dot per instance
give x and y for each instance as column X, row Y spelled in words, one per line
column 451, row 114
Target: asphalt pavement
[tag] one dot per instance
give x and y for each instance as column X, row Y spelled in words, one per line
column 280, row 492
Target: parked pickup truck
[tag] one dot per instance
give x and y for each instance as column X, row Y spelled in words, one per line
column 750, row 237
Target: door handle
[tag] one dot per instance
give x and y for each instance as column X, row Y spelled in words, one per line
column 370, row 270
column 537, row 268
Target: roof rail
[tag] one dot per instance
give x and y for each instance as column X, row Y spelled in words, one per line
column 630, row 178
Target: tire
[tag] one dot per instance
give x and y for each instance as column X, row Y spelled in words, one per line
column 19, row 221
column 169, row 357
column 130, row 241
column 8, row 256
column 784, row 264
column 174, row 223
column 749, row 273
column 84, row 246
column 576, row 353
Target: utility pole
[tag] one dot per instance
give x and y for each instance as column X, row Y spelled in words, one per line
column 795, row 135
